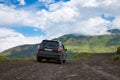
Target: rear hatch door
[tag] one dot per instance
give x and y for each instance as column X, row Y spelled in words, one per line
column 50, row 46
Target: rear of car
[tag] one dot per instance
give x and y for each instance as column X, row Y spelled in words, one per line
column 51, row 50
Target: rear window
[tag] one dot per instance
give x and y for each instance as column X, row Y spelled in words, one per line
column 50, row 44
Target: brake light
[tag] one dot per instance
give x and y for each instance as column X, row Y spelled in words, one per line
column 59, row 49
column 38, row 47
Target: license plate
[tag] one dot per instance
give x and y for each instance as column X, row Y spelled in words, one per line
column 48, row 49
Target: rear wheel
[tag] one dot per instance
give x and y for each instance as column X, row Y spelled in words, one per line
column 38, row 59
column 61, row 61
column 48, row 60
column 64, row 61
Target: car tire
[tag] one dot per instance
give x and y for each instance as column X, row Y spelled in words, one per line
column 38, row 59
column 64, row 61
column 60, row 61
column 48, row 60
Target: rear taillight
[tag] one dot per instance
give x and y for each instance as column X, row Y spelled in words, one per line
column 38, row 47
column 59, row 49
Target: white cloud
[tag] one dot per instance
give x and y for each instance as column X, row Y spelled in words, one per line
column 8, row 15
column 55, row 6
column 109, row 2
column 10, row 38
column 93, row 26
column 116, row 23
column 99, row 3
column 90, row 3
column 22, row 2
column 47, row 1
column 11, row 16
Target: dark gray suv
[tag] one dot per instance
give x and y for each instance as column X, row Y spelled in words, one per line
column 51, row 49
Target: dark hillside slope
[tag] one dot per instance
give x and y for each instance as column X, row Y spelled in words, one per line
column 21, row 51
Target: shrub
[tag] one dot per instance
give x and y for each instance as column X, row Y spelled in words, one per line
column 118, row 50
column 116, row 57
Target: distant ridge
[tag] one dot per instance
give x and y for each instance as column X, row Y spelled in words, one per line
column 74, row 43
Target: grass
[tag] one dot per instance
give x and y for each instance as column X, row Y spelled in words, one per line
column 79, row 49
column 118, row 50
column 116, row 57
column 92, row 49
column 81, row 56
column 4, row 54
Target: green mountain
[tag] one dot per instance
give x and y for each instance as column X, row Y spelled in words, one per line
column 22, row 51
column 74, row 43
column 93, row 44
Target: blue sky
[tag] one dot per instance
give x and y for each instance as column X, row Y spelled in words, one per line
column 109, row 18
column 29, row 31
column 30, row 21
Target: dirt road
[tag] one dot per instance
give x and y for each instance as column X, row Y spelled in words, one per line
column 100, row 67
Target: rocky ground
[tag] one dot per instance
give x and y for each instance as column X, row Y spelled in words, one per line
column 99, row 67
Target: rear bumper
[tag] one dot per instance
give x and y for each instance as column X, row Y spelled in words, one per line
column 49, row 55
